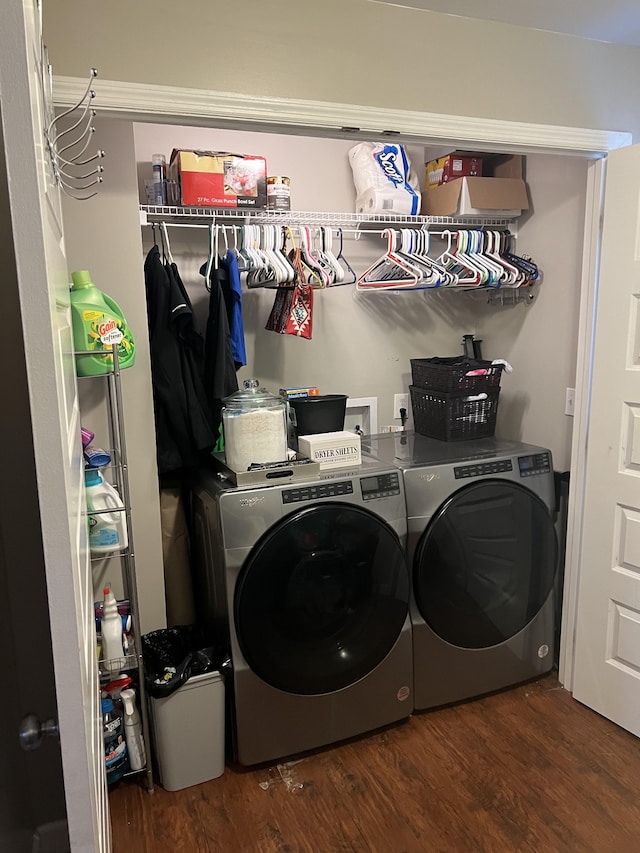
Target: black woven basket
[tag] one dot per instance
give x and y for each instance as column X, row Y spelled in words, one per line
column 452, row 374
column 454, row 417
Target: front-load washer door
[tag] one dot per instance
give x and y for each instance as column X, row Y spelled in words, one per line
column 321, row 599
column 485, row 564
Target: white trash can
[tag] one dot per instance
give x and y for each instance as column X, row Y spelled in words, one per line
column 188, row 732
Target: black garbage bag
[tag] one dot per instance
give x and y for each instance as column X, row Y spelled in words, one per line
column 172, row 655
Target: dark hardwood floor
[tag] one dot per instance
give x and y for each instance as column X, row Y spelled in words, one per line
column 527, row 769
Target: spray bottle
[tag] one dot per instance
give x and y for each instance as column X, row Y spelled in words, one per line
column 115, row 745
column 133, row 731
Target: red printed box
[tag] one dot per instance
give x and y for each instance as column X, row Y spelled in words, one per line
column 450, row 167
column 218, row 178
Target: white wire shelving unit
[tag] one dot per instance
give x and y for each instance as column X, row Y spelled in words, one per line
column 172, row 213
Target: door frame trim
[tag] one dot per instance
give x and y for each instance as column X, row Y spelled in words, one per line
column 150, row 102
column 176, row 105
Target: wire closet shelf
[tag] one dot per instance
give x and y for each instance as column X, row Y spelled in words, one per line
column 172, row 213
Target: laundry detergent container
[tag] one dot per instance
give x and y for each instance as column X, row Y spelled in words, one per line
column 324, row 413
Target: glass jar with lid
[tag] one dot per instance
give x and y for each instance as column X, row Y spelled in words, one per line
column 255, row 427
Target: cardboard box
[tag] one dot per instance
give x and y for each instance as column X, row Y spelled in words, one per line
column 218, row 179
column 331, row 449
column 501, row 191
column 307, row 391
column 452, row 166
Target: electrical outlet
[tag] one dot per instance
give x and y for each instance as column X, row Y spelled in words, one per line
column 400, row 401
column 570, row 402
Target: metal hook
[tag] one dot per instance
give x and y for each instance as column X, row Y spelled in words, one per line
column 92, row 75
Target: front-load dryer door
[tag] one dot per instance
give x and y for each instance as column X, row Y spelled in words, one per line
column 485, row 564
column 321, row 599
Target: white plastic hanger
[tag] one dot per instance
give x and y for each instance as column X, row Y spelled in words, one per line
column 167, row 245
column 465, row 274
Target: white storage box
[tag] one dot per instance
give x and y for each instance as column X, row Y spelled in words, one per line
column 188, row 732
column 331, row 449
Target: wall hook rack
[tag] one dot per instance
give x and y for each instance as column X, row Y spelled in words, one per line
column 68, row 136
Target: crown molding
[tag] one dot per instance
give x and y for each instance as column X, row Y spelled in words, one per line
column 149, row 102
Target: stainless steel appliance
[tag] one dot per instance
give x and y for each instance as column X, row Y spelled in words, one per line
column 308, row 584
column 482, row 548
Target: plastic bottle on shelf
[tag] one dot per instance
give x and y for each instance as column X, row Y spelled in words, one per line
column 96, row 457
column 114, row 740
column 115, row 687
column 107, row 530
column 159, row 166
column 111, row 628
column 98, row 325
column 133, row 730
column 87, row 436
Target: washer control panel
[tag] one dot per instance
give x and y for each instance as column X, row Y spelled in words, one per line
column 315, row 492
column 537, row 463
column 380, row 486
column 481, row 469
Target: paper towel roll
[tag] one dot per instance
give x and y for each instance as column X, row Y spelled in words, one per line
column 387, row 201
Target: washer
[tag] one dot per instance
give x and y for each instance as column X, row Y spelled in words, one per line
column 308, row 585
column 482, row 548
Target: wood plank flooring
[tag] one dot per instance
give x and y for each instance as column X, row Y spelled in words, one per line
column 527, row 769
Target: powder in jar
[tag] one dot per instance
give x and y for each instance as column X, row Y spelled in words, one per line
column 254, row 437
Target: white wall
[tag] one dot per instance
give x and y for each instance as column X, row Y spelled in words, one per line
column 354, row 52
column 103, row 236
column 363, row 342
column 541, row 338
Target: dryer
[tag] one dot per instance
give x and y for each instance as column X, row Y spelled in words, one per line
column 307, row 583
column 483, row 553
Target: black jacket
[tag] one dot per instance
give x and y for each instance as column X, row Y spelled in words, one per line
column 185, row 426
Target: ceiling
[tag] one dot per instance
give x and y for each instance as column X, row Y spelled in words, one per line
column 616, row 21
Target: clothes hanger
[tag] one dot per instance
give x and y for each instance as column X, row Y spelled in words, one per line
column 463, row 273
column 465, row 249
column 280, row 240
column 513, row 277
column 525, row 264
column 268, row 246
column 475, row 253
column 207, row 275
column 326, row 237
column 390, row 270
column 165, row 242
column 316, row 276
column 342, row 260
column 436, row 275
column 409, row 251
column 276, row 270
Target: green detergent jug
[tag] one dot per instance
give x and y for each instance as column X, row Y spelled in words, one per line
column 98, row 325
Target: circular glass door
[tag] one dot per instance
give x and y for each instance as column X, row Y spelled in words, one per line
column 321, row 599
column 485, row 564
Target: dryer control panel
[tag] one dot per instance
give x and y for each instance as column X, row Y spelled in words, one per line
column 463, row 472
column 321, row 490
column 380, row 486
column 537, row 463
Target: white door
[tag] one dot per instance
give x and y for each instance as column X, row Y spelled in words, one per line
column 42, row 280
column 607, row 650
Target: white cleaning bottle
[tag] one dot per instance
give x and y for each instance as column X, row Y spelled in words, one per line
column 133, row 731
column 107, row 530
column 112, row 650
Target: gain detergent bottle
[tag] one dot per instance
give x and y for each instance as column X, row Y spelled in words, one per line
column 98, row 325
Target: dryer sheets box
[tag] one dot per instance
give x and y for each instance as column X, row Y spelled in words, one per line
column 331, row 449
